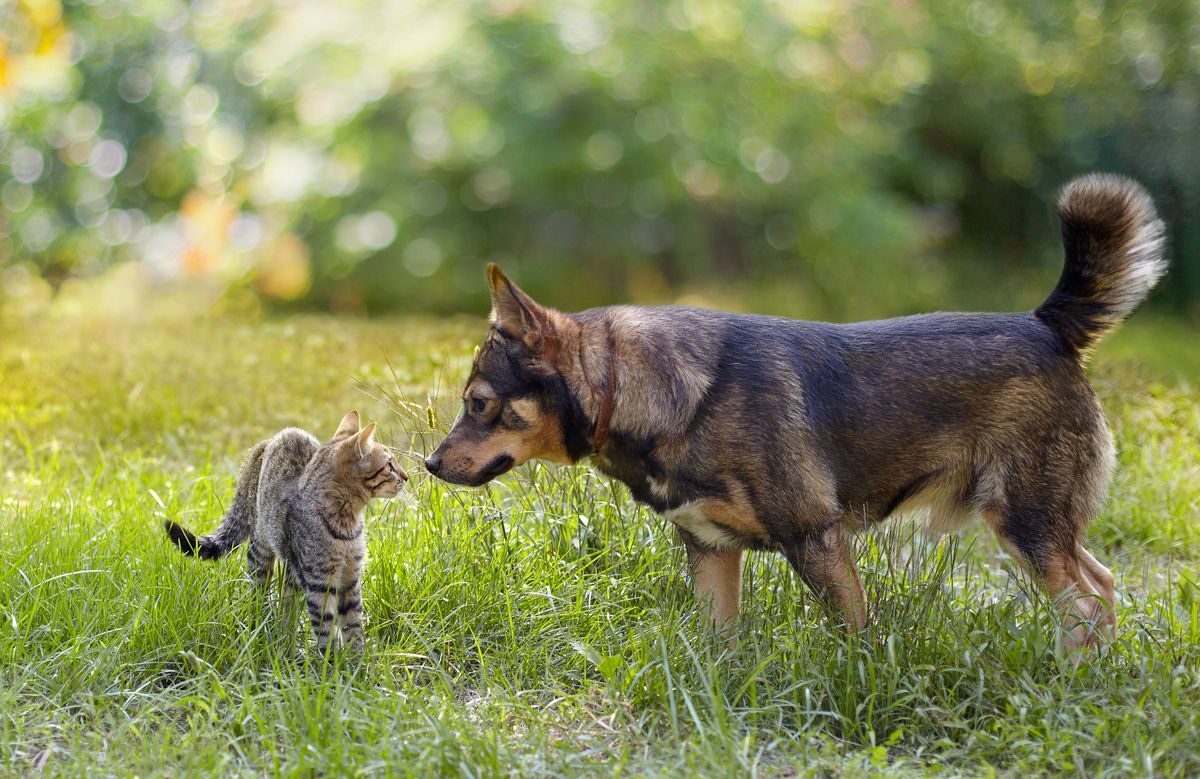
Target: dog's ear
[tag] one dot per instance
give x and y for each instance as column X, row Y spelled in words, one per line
column 348, row 426
column 516, row 314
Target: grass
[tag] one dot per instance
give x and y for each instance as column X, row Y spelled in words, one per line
column 542, row 626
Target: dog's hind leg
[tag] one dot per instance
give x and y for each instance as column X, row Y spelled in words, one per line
column 825, row 562
column 1080, row 586
column 716, row 581
column 1101, row 578
column 1041, row 499
column 1087, row 611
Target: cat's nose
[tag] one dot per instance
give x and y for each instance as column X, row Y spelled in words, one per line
column 433, row 463
column 402, row 473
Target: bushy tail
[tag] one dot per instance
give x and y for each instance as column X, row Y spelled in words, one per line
column 238, row 522
column 1114, row 244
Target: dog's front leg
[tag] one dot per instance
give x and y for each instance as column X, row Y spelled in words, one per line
column 826, row 565
column 716, row 581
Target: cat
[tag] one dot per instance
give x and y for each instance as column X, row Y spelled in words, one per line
column 301, row 502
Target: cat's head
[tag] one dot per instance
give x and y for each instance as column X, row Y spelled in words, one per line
column 359, row 460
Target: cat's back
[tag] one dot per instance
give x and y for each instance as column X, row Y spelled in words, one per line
column 284, row 459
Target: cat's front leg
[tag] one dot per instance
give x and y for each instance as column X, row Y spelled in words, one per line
column 350, row 615
column 322, row 608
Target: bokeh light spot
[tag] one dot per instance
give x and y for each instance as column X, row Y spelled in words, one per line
column 603, row 150
column 27, row 164
column 285, row 272
column 422, row 257
column 107, row 158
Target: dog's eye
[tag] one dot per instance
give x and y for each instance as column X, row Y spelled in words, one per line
column 478, row 406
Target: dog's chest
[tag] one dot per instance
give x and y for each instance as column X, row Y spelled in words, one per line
column 703, row 508
column 634, row 464
column 693, row 520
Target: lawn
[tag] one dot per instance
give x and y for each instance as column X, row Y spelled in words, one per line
column 543, row 625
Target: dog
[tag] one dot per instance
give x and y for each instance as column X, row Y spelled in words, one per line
column 755, row 432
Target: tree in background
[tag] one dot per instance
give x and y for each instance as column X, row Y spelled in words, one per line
column 839, row 158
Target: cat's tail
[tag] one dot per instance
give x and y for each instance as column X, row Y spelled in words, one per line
column 238, row 522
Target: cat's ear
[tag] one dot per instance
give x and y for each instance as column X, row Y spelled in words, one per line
column 348, row 426
column 515, row 313
column 364, row 439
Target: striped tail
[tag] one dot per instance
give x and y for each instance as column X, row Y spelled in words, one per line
column 238, row 522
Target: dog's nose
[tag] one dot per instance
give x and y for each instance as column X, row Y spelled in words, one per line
column 433, row 463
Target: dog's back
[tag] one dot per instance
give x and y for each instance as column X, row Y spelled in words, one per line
column 916, row 408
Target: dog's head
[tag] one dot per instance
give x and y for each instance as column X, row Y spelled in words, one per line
column 517, row 405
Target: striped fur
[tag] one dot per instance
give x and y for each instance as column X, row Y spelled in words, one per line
column 301, row 503
column 239, row 520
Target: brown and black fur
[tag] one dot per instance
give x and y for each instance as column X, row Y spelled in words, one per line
column 754, row 432
column 301, row 502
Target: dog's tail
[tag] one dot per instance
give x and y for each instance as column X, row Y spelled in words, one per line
column 239, row 519
column 1114, row 244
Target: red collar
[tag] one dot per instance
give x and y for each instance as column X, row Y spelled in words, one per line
column 604, row 417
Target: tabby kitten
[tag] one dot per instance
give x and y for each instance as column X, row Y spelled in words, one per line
column 302, row 502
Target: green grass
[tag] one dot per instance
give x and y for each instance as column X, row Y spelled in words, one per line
column 542, row 626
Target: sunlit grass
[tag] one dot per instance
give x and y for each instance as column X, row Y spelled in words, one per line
column 542, row 626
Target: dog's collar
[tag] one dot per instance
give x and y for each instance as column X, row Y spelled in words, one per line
column 604, row 416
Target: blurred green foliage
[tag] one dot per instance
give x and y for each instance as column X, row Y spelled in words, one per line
column 838, row 157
